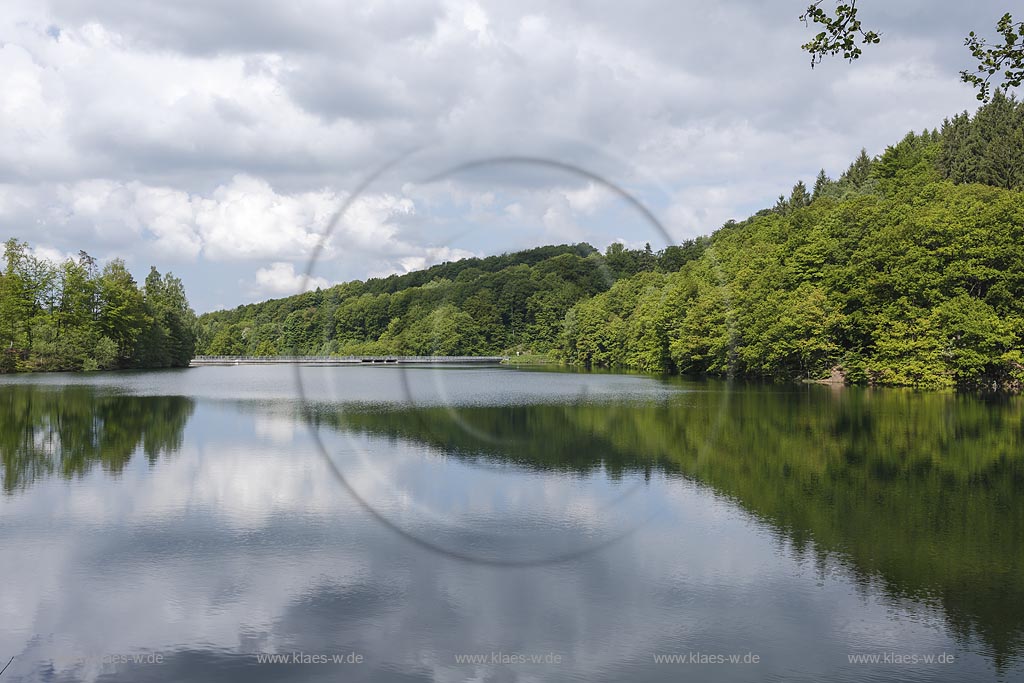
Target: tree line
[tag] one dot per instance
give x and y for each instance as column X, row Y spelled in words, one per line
column 512, row 302
column 907, row 270
column 77, row 315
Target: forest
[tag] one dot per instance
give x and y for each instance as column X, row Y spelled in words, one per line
column 512, row 302
column 906, row 270
column 77, row 315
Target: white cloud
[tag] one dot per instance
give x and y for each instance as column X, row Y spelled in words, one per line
column 559, row 219
column 588, row 199
column 248, row 219
column 245, row 218
column 217, row 132
column 431, row 256
column 55, row 256
column 280, row 279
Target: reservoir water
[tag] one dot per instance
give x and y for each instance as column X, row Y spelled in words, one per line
column 408, row 524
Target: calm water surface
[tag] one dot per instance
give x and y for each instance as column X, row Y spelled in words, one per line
column 494, row 524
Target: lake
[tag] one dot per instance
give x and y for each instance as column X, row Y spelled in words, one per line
column 499, row 524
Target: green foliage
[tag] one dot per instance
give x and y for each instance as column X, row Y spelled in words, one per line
column 988, row 148
column 445, row 331
column 122, row 314
column 893, row 274
column 106, row 354
column 74, row 316
column 674, row 257
column 799, row 198
column 840, row 32
column 822, row 185
column 509, row 303
column 1004, row 61
column 1007, row 58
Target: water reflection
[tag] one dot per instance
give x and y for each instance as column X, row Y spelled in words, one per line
column 68, row 431
column 798, row 524
column 922, row 493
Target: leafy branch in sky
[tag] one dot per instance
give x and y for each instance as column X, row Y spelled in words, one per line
column 1008, row 58
column 840, row 34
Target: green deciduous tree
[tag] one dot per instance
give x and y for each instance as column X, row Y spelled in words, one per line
column 122, row 312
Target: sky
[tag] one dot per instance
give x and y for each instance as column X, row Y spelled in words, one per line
column 242, row 144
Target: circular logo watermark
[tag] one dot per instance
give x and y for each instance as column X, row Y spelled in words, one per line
column 449, row 400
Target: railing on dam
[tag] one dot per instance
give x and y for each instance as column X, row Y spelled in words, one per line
column 347, row 360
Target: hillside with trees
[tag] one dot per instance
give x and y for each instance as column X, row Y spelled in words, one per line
column 468, row 307
column 77, row 315
column 906, row 270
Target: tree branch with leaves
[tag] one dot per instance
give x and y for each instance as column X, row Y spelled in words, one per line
column 842, row 30
column 840, row 34
column 993, row 58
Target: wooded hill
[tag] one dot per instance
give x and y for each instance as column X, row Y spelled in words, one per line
column 906, row 270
